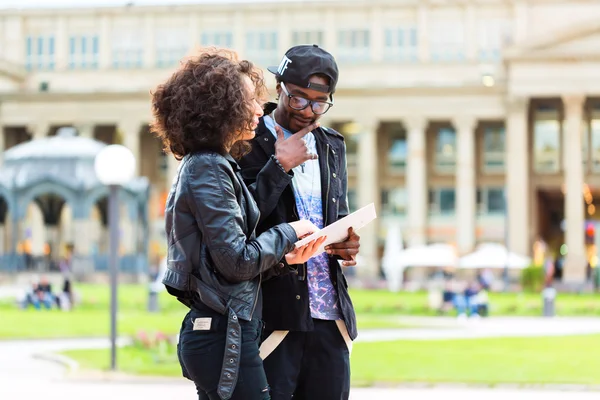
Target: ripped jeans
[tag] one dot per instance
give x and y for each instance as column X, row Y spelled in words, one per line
column 201, row 353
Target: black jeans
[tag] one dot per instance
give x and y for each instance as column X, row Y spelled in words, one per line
column 310, row 365
column 201, row 352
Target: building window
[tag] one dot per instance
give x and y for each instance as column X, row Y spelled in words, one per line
column 39, row 52
column 127, row 50
column 84, row 51
column 307, row 37
column 445, row 150
column 493, row 35
column 447, row 41
column 400, row 44
column 261, row 47
column 398, row 151
column 490, row 200
column 394, row 201
column 442, row 201
column 494, row 149
column 595, row 139
column 546, row 136
column 353, row 45
column 171, row 46
column 217, row 38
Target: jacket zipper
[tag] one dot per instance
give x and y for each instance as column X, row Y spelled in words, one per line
column 259, row 275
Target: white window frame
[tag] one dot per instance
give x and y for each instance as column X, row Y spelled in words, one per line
column 404, row 49
column 493, row 156
column 445, row 164
column 262, row 46
column 435, row 205
column 549, row 118
column 308, row 37
column 219, row 38
column 354, row 45
column 84, row 58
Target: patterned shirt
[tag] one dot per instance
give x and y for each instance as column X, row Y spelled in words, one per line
column 322, row 294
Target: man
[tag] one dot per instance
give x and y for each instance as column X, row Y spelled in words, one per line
column 297, row 169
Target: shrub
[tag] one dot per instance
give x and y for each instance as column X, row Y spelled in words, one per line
column 532, row 278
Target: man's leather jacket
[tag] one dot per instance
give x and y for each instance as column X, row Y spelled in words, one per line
column 214, row 256
column 286, row 301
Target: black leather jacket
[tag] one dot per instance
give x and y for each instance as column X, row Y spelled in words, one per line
column 214, row 255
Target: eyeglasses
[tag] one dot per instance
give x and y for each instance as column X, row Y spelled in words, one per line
column 300, row 103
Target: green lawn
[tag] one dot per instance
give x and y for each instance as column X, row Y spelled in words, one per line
column 374, row 308
column 571, row 359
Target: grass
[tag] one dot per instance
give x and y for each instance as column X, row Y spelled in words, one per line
column 570, row 359
column 374, row 308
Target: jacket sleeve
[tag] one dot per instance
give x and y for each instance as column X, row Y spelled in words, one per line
column 219, row 218
column 267, row 185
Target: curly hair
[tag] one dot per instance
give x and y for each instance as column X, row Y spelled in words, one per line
column 204, row 105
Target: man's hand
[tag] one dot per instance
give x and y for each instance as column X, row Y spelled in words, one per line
column 293, row 151
column 347, row 250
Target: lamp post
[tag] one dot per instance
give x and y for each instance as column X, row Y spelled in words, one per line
column 114, row 166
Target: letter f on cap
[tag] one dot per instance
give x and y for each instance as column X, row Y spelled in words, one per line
column 283, row 65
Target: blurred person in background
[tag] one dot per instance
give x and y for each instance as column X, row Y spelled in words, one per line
column 203, row 114
column 297, row 169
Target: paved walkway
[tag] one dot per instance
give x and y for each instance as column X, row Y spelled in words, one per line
column 436, row 328
column 23, row 375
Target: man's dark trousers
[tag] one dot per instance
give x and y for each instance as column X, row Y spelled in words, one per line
column 311, row 365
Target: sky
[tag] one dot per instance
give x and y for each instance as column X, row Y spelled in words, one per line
column 95, row 3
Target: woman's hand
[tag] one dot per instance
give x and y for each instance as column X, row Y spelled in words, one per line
column 303, row 228
column 301, row 254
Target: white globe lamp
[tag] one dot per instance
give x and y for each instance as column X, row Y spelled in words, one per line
column 115, row 165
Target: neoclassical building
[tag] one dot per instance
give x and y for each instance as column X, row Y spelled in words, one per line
column 467, row 121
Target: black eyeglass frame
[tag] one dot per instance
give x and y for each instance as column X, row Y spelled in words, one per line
column 308, row 102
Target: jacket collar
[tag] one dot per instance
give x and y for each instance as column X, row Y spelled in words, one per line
column 232, row 161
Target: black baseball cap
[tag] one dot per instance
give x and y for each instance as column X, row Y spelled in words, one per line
column 301, row 62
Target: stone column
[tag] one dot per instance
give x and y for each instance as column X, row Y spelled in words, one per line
column 239, row 33
column 575, row 262
column 521, row 20
column 2, row 143
column 130, row 138
column 416, row 181
column 330, row 34
column 38, row 129
column 82, row 236
column 172, row 167
column 368, row 192
column 377, row 36
column 465, row 183
column 470, row 33
column 61, row 45
column 83, row 262
column 85, row 130
column 284, row 34
column 149, row 41
column 517, row 175
column 424, row 54
column 105, row 43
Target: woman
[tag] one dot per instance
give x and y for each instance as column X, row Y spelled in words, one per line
column 204, row 114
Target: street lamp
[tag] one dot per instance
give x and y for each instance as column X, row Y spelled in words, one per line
column 114, row 166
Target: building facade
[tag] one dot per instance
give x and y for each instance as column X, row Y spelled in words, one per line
column 466, row 121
